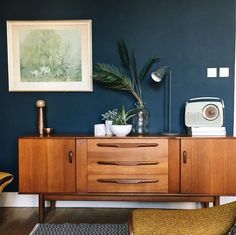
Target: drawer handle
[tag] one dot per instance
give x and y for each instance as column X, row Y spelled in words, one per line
column 127, row 145
column 70, row 156
column 185, row 157
column 127, row 181
column 128, row 163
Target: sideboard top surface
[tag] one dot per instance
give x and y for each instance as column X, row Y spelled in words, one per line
column 91, row 136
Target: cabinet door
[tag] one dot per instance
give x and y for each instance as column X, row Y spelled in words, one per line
column 46, row 165
column 208, row 166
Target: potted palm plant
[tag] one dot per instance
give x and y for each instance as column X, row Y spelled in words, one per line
column 128, row 78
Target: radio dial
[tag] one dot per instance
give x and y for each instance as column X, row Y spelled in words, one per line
column 210, row 112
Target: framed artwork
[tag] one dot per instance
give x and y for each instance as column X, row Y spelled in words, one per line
column 49, row 55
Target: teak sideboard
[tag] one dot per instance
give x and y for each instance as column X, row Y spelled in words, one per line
column 150, row 168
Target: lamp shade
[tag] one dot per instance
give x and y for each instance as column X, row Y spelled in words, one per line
column 160, row 73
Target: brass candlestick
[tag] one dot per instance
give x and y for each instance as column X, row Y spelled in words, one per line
column 41, row 119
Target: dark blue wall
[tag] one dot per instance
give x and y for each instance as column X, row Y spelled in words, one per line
column 188, row 35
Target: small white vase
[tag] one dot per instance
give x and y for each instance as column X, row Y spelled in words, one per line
column 121, row 130
column 108, row 125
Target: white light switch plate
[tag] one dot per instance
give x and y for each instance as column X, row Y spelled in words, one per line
column 211, row 72
column 224, row 72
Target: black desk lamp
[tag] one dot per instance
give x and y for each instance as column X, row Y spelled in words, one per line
column 158, row 76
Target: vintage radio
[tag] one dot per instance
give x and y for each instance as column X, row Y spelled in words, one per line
column 204, row 112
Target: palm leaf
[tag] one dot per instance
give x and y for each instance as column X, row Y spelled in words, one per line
column 134, row 72
column 112, row 77
column 133, row 66
column 124, row 54
column 147, row 67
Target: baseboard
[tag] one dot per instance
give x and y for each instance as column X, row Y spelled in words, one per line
column 13, row 199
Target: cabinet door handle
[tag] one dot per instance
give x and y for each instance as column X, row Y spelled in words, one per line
column 128, row 163
column 70, row 156
column 185, row 157
column 127, row 145
column 127, row 181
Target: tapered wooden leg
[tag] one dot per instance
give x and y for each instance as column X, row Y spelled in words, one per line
column 205, row 204
column 53, row 204
column 41, row 208
column 216, row 201
column 130, row 224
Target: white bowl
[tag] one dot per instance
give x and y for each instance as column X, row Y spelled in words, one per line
column 121, row 130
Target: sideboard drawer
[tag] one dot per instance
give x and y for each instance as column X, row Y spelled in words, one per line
column 137, row 145
column 127, row 156
column 128, row 183
column 127, row 165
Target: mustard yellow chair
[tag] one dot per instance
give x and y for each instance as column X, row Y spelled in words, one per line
column 5, row 179
column 205, row 221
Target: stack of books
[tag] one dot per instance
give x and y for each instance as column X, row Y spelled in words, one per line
column 207, row 131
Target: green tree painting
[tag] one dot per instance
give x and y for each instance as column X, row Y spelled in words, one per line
column 50, row 56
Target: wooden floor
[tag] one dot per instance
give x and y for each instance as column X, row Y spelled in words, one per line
column 20, row 221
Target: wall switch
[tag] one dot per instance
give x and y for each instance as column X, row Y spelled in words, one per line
column 211, row 72
column 224, row 72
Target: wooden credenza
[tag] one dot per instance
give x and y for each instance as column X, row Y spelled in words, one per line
column 150, row 168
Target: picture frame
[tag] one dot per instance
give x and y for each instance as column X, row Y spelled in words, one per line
column 49, row 55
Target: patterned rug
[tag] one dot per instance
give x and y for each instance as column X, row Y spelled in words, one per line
column 81, row 229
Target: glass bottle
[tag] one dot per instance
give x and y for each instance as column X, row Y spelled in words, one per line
column 140, row 120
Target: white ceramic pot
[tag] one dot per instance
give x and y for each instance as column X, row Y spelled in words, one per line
column 108, row 125
column 121, row 130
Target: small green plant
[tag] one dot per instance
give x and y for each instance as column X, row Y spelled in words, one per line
column 110, row 115
column 123, row 116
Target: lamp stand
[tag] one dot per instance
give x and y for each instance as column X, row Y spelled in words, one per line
column 168, row 104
